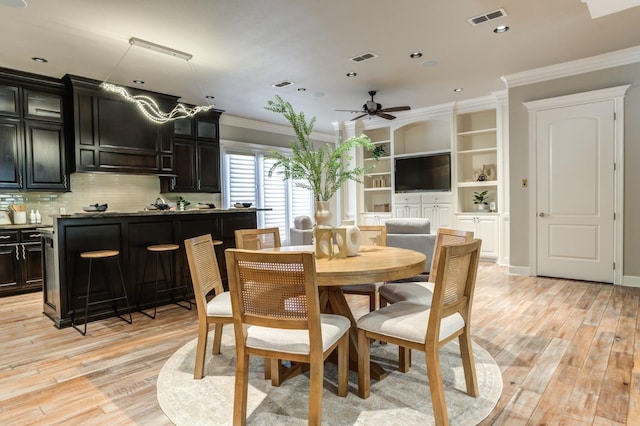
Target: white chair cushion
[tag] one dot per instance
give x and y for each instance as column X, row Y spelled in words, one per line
column 408, row 321
column 416, row 292
column 297, row 341
column 220, row 306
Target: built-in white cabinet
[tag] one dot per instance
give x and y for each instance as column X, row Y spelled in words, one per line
column 377, row 182
column 438, row 208
column 407, row 205
column 375, row 218
column 485, row 227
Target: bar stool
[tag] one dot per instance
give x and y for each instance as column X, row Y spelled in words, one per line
column 158, row 250
column 101, row 255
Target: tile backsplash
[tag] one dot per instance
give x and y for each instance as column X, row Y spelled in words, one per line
column 123, row 193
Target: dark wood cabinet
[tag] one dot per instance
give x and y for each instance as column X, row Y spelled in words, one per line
column 33, row 148
column 196, row 155
column 20, row 261
column 112, row 134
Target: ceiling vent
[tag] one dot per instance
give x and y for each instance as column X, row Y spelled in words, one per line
column 364, row 57
column 284, row 83
column 480, row 19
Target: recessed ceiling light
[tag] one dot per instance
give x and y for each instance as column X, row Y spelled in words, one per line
column 138, row 81
column 429, row 63
column 458, row 89
column 301, row 89
column 352, row 74
column 415, row 55
column 40, row 60
column 501, row 29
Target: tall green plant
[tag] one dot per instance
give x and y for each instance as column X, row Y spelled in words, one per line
column 321, row 170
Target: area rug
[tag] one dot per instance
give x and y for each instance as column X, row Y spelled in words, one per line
column 399, row 399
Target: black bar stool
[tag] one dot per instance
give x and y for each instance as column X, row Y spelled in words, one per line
column 170, row 280
column 101, row 255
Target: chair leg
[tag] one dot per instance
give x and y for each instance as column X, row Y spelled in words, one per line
column 86, row 305
column 241, row 388
column 436, row 386
column 274, row 369
column 364, row 365
column 404, row 359
column 124, row 294
column 372, row 301
column 343, row 365
column 468, row 364
column 316, row 378
column 217, row 338
column 203, row 331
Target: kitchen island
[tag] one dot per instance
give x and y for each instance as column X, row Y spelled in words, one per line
column 130, row 233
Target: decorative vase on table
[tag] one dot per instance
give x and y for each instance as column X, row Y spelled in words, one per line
column 323, row 214
column 352, row 238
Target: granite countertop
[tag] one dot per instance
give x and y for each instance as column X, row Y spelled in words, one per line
column 83, row 215
column 25, row 226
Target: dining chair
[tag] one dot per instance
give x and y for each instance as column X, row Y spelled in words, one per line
column 422, row 291
column 370, row 235
column 428, row 328
column 276, row 314
column 256, row 239
column 205, row 277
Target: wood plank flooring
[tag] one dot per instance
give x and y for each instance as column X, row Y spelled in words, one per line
column 569, row 352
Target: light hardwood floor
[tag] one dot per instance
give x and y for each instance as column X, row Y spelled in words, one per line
column 569, row 352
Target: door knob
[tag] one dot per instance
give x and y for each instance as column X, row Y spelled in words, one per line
column 541, row 214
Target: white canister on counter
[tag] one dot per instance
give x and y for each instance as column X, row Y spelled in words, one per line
column 38, row 217
column 32, row 217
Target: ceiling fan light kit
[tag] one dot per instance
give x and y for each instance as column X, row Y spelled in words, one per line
column 372, row 108
column 146, row 105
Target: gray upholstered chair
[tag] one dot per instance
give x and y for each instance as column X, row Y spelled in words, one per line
column 414, row 234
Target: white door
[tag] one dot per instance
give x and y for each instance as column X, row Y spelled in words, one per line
column 575, row 156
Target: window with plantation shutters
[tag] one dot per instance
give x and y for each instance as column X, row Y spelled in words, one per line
column 247, row 180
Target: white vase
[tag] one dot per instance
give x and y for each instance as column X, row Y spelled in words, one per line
column 353, row 239
column 323, row 214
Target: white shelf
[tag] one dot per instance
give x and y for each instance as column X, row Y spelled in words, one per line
column 478, row 151
column 478, row 132
column 478, row 184
column 386, row 188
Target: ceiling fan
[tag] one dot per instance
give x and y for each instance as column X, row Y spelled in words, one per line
column 372, row 108
column 13, row 3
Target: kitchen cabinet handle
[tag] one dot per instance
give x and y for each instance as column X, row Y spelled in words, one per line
column 24, row 255
column 5, row 237
column 17, row 253
column 34, row 235
column 64, row 181
column 20, row 179
column 198, row 184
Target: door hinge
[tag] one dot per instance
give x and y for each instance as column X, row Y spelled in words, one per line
column 614, row 266
column 614, row 216
column 614, row 116
column 614, row 167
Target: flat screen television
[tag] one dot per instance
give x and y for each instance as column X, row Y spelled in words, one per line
column 423, row 173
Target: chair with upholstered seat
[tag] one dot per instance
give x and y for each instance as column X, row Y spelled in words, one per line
column 370, row 235
column 276, row 312
column 256, row 239
column 422, row 291
column 428, row 328
column 206, row 279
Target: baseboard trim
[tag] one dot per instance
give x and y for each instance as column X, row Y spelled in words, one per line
column 519, row 270
column 630, row 281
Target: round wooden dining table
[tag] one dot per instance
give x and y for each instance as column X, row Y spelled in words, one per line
column 371, row 264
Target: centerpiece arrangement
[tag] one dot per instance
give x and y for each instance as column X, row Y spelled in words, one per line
column 322, row 170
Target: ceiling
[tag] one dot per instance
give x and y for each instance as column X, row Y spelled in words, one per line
column 241, row 48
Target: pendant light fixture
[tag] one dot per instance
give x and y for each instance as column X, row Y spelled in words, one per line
column 147, row 105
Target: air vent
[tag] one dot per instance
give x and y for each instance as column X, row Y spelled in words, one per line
column 364, row 57
column 284, row 83
column 476, row 20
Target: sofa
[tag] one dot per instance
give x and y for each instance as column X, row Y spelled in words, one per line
column 414, row 234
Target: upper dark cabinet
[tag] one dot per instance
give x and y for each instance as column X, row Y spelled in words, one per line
column 112, row 135
column 196, row 154
column 33, row 148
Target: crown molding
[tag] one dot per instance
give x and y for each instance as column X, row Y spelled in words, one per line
column 263, row 126
column 580, row 66
column 477, row 104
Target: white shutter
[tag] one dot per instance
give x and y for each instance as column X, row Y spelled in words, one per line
column 301, row 201
column 274, row 197
column 242, row 178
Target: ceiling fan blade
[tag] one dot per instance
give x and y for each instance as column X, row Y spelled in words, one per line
column 350, row 110
column 13, row 3
column 398, row 108
column 385, row 115
column 360, row 116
